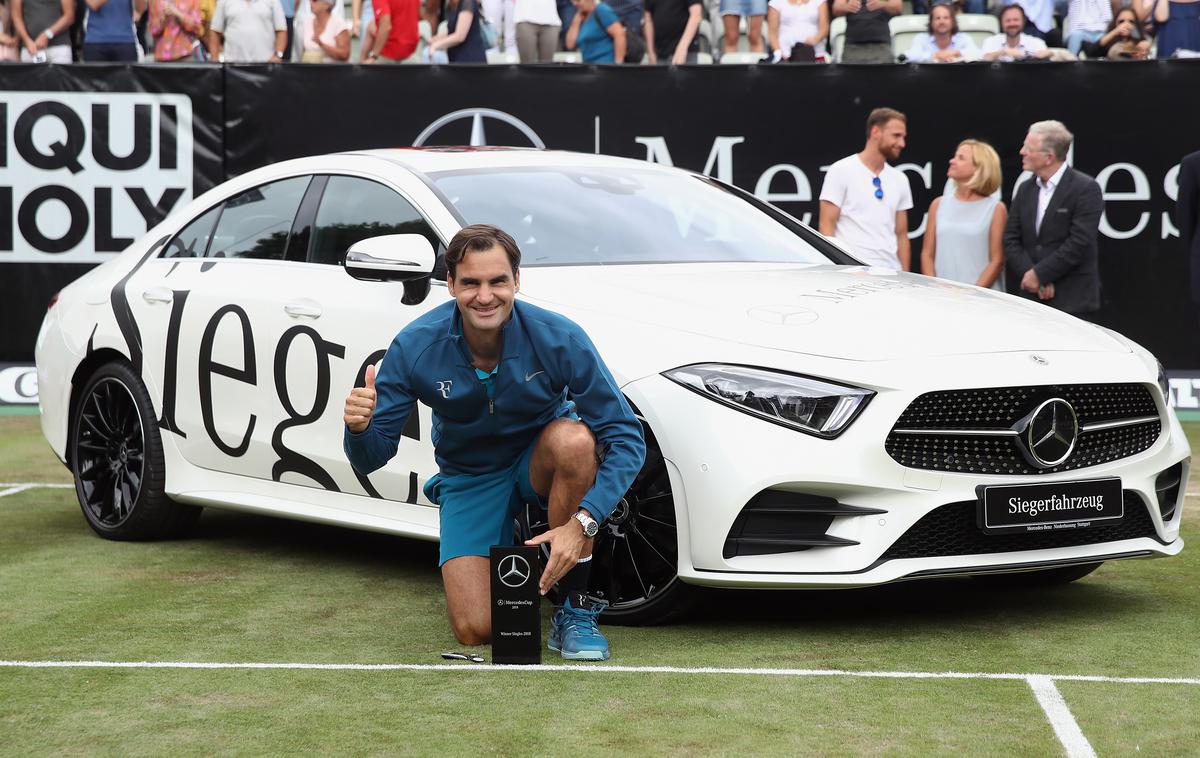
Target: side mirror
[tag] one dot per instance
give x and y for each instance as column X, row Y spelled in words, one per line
column 390, row 258
column 406, row 258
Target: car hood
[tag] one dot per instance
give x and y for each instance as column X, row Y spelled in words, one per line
column 847, row 312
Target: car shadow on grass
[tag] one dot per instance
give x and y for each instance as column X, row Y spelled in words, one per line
column 961, row 600
column 954, row 600
column 316, row 543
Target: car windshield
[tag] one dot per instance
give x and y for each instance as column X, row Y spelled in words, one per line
column 567, row 216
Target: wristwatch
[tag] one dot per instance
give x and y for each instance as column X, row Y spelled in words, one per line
column 279, row 54
column 373, row 55
column 590, row 526
column 49, row 34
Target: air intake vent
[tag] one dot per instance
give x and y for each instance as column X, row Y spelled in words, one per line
column 777, row 521
column 1166, row 487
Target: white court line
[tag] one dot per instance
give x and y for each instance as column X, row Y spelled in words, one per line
column 1048, row 697
column 12, row 490
column 598, row 668
column 1060, row 717
column 27, row 485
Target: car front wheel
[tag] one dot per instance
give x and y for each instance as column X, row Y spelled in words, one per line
column 117, row 460
column 636, row 553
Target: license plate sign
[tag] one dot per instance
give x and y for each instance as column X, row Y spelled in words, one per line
column 1004, row 509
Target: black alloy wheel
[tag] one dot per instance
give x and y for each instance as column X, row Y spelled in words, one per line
column 116, row 456
column 635, row 556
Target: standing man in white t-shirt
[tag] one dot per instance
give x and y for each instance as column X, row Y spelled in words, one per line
column 865, row 202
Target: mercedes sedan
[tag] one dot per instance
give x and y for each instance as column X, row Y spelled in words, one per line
column 810, row 421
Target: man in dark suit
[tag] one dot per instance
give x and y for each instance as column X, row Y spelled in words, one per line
column 1187, row 215
column 1050, row 240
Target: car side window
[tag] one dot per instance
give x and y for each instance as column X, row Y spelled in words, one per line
column 354, row 209
column 192, row 240
column 256, row 223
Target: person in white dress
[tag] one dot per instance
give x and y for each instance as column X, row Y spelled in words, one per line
column 797, row 22
column 964, row 238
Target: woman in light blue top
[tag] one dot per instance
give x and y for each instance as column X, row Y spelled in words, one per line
column 964, row 239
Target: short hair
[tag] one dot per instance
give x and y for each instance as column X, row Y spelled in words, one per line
column 1016, row 7
column 478, row 238
column 986, row 178
column 953, row 16
column 1054, row 137
column 880, row 116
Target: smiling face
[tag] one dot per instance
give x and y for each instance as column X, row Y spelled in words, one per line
column 962, row 165
column 889, row 138
column 941, row 19
column 1012, row 21
column 484, row 285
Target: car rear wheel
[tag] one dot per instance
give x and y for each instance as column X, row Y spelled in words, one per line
column 117, row 460
column 1044, row 578
column 635, row 556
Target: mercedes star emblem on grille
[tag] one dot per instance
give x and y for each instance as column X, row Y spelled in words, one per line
column 1048, row 435
column 513, row 571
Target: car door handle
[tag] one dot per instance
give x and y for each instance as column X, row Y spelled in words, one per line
column 158, row 295
column 301, row 310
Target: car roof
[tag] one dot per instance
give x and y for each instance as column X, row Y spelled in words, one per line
column 436, row 159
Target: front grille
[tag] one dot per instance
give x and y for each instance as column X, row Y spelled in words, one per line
column 953, row 530
column 950, row 423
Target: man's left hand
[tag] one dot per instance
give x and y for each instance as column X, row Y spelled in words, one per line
column 1030, row 282
column 566, row 545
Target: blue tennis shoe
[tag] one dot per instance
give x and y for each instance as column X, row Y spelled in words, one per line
column 574, row 631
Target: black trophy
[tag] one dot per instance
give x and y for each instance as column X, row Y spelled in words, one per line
column 516, row 605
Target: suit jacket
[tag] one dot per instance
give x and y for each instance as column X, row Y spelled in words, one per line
column 1064, row 252
column 1187, row 216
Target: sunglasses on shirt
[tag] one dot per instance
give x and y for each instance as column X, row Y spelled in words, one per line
column 878, row 188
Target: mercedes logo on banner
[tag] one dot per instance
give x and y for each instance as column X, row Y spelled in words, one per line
column 477, row 117
column 513, row 571
column 1047, row 435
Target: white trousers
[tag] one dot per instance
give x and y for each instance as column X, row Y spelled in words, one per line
column 500, row 13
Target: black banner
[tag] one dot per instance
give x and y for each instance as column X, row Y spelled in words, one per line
column 770, row 130
column 92, row 157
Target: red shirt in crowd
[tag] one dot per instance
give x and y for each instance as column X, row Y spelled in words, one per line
column 402, row 40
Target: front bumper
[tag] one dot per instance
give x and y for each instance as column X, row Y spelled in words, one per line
column 717, row 472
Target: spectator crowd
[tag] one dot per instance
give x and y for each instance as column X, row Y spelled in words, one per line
column 591, row 31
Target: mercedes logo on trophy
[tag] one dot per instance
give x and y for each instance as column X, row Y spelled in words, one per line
column 516, row 605
column 514, row 571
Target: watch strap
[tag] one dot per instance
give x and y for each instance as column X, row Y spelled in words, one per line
column 590, row 526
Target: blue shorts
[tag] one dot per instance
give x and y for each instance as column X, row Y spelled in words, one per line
column 743, row 7
column 477, row 511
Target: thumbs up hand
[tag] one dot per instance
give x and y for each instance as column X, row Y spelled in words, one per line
column 361, row 404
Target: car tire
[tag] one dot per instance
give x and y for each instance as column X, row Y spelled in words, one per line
column 1043, row 578
column 635, row 555
column 117, row 460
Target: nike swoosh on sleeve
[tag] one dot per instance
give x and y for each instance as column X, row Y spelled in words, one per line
column 535, row 373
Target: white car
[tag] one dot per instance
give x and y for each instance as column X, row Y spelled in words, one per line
column 810, row 422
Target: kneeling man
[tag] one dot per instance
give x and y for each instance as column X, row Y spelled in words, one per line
column 524, row 411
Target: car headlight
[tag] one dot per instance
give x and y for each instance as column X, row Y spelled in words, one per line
column 1164, row 385
column 812, row 406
